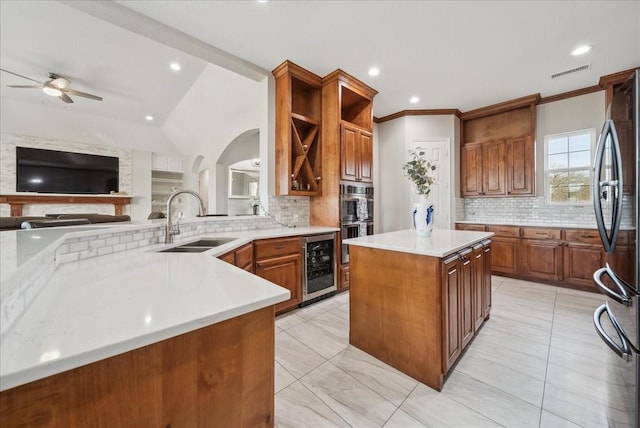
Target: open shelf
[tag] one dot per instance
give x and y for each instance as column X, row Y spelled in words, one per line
column 355, row 108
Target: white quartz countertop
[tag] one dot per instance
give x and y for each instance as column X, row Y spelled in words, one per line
column 441, row 243
column 96, row 308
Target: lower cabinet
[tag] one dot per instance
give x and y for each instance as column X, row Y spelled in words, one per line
column 564, row 257
column 466, row 296
column 452, row 343
column 541, row 259
column 279, row 260
column 344, row 277
column 241, row 257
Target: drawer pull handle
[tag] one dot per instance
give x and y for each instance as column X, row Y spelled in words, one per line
column 280, row 246
column 541, row 233
column 587, row 236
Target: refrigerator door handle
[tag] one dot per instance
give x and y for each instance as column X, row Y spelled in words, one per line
column 624, row 349
column 624, row 292
column 599, row 187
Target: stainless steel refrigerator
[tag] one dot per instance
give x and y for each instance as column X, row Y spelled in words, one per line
column 615, row 197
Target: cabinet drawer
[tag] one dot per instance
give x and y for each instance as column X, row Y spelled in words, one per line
column 506, row 231
column 277, row 247
column 540, row 233
column 467, row 226
column 587, row 236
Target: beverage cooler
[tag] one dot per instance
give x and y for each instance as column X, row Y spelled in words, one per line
column 615, row 199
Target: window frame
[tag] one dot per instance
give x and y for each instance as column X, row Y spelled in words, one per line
column 594, row 141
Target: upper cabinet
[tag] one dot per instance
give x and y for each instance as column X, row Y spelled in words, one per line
column 166, row 163
column 498, row 152
column 298, row 133
column 356, row 154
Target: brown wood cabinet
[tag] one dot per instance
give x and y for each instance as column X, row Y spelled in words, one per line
column 493, row 167
column 356, row 154
column 279, row 260
column 298, row 136
column 241, row 257
column 563, row 257
column 520, row 166
column 497, row 154
column 479, row 279
column 486, row 284
column 505, row 248
column 219, row 375
column 451, row 295
column 541, row 253
column 467, row 297
column 471, row 170
column 344, row 277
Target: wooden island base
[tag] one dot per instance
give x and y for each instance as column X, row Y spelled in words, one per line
column 218, row 376
column 416, row 312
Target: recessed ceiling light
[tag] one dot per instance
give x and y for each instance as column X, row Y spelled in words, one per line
column 414, row 100
column 580, row 50
column 175, row 66
column 374, row 71
column 262, row 1
column 149, row 117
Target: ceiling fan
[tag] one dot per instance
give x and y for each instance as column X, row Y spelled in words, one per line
column 56, row 86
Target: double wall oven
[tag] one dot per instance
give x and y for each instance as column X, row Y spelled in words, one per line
column 356, row 212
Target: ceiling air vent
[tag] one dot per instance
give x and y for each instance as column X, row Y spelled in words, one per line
column 571, row 71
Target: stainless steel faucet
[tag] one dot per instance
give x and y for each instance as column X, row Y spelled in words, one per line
column 172, row 229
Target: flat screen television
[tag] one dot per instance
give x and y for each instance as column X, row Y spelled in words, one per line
column 52, row 171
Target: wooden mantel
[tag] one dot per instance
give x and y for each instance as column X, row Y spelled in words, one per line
column 17, row 201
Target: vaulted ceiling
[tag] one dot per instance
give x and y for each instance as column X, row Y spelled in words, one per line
column 463, row 55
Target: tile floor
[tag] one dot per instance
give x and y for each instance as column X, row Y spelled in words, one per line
column 536, row 363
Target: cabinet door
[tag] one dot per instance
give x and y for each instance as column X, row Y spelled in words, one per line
column 466, row 300
column 243, row 257
column 493, row 168
column 159, row 162
column 365, row 158
column 349, row 153
column 541, row 259
column 579, row 263
column 486, row 283
column 286, row 271
column 228, row 257
column 344, row 277
column 452, row 346
column 478, row 287
column 471, row 169
column 505, row 255
column 520, row 166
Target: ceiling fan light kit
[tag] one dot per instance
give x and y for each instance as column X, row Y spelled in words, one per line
column 56, row 86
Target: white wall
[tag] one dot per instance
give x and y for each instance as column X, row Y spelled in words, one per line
column 571, row 114
column 393, row 138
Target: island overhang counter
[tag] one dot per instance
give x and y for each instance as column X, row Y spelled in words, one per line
column 416, row 302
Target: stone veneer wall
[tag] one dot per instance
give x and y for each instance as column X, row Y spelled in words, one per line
column 289, row 210
column 532, row 210
column 8, row 143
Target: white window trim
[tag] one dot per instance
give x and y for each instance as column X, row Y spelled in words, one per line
column 594, row 142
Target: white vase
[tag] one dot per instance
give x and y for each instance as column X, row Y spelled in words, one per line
column 423, row 216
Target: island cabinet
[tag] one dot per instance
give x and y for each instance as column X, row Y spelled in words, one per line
column 279, row 260
column 417, row 312
column 220, row 375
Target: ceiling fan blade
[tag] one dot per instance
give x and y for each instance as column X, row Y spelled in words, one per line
column 82, row 94
column 25, row 86
column 20, row 75
column 64, row 97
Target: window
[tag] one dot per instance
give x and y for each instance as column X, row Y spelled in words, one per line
column 568, row 166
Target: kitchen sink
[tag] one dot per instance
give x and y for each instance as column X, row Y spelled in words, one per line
column 186, row 250
column 198, row 246
column 209, row 242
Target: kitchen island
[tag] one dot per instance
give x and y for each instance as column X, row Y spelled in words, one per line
column 416, row 302
column 136, row 337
